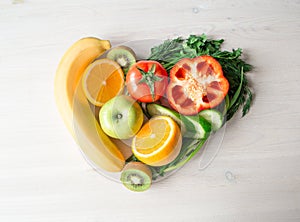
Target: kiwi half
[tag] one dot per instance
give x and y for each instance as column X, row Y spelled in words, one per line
column 123, row 55
column 136, row 176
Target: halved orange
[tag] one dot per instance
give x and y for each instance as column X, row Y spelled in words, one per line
column 158, row 142
column 102, row 80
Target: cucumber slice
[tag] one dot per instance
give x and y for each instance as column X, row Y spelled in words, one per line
column 214, row 117
column 154, row 109
column 197, row 127
column 191, row 126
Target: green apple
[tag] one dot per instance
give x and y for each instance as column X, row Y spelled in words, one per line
column 121, row 117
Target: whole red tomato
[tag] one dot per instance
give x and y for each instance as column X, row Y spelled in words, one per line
column 147, row 81
column 196, row 84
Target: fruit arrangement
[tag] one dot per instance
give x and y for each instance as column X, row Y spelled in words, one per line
column 145, row 117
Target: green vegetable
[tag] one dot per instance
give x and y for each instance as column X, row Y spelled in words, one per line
column 197, row 126
column 171, row 51
column 214, row 117
column 154, row 109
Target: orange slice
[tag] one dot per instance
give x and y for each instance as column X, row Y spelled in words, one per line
column 102, row 80
column 158, row 142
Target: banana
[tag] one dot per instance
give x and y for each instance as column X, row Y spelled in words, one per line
column 94, row 143
column 74, row 107
column 69, row 71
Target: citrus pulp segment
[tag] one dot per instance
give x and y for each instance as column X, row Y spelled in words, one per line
column 158, row 142
column 102, row 80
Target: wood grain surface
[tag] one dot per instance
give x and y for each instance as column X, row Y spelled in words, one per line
column 256, row 173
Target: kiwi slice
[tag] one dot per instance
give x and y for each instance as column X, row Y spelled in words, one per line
column 123, row 55
column 136, row 176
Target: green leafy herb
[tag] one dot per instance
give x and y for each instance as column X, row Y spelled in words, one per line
column 171, row 51
column 238, row 91
column 248, row 101
column 204, row 46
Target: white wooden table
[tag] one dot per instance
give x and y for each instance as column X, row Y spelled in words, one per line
column 255, row 175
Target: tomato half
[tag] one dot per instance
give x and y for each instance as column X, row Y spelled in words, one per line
column 196, row 84
column 147, row 81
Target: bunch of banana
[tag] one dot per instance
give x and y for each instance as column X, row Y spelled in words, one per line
column 75, row 109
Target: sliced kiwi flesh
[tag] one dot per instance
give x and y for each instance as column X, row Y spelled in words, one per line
column 123, row 55
column 136, row 176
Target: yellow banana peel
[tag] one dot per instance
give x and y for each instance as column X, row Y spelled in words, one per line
column 74, row 107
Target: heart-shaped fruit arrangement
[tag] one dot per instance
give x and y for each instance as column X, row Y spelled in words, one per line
column 142, row 118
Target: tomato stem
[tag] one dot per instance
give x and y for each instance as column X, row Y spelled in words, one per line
column 149, row 78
